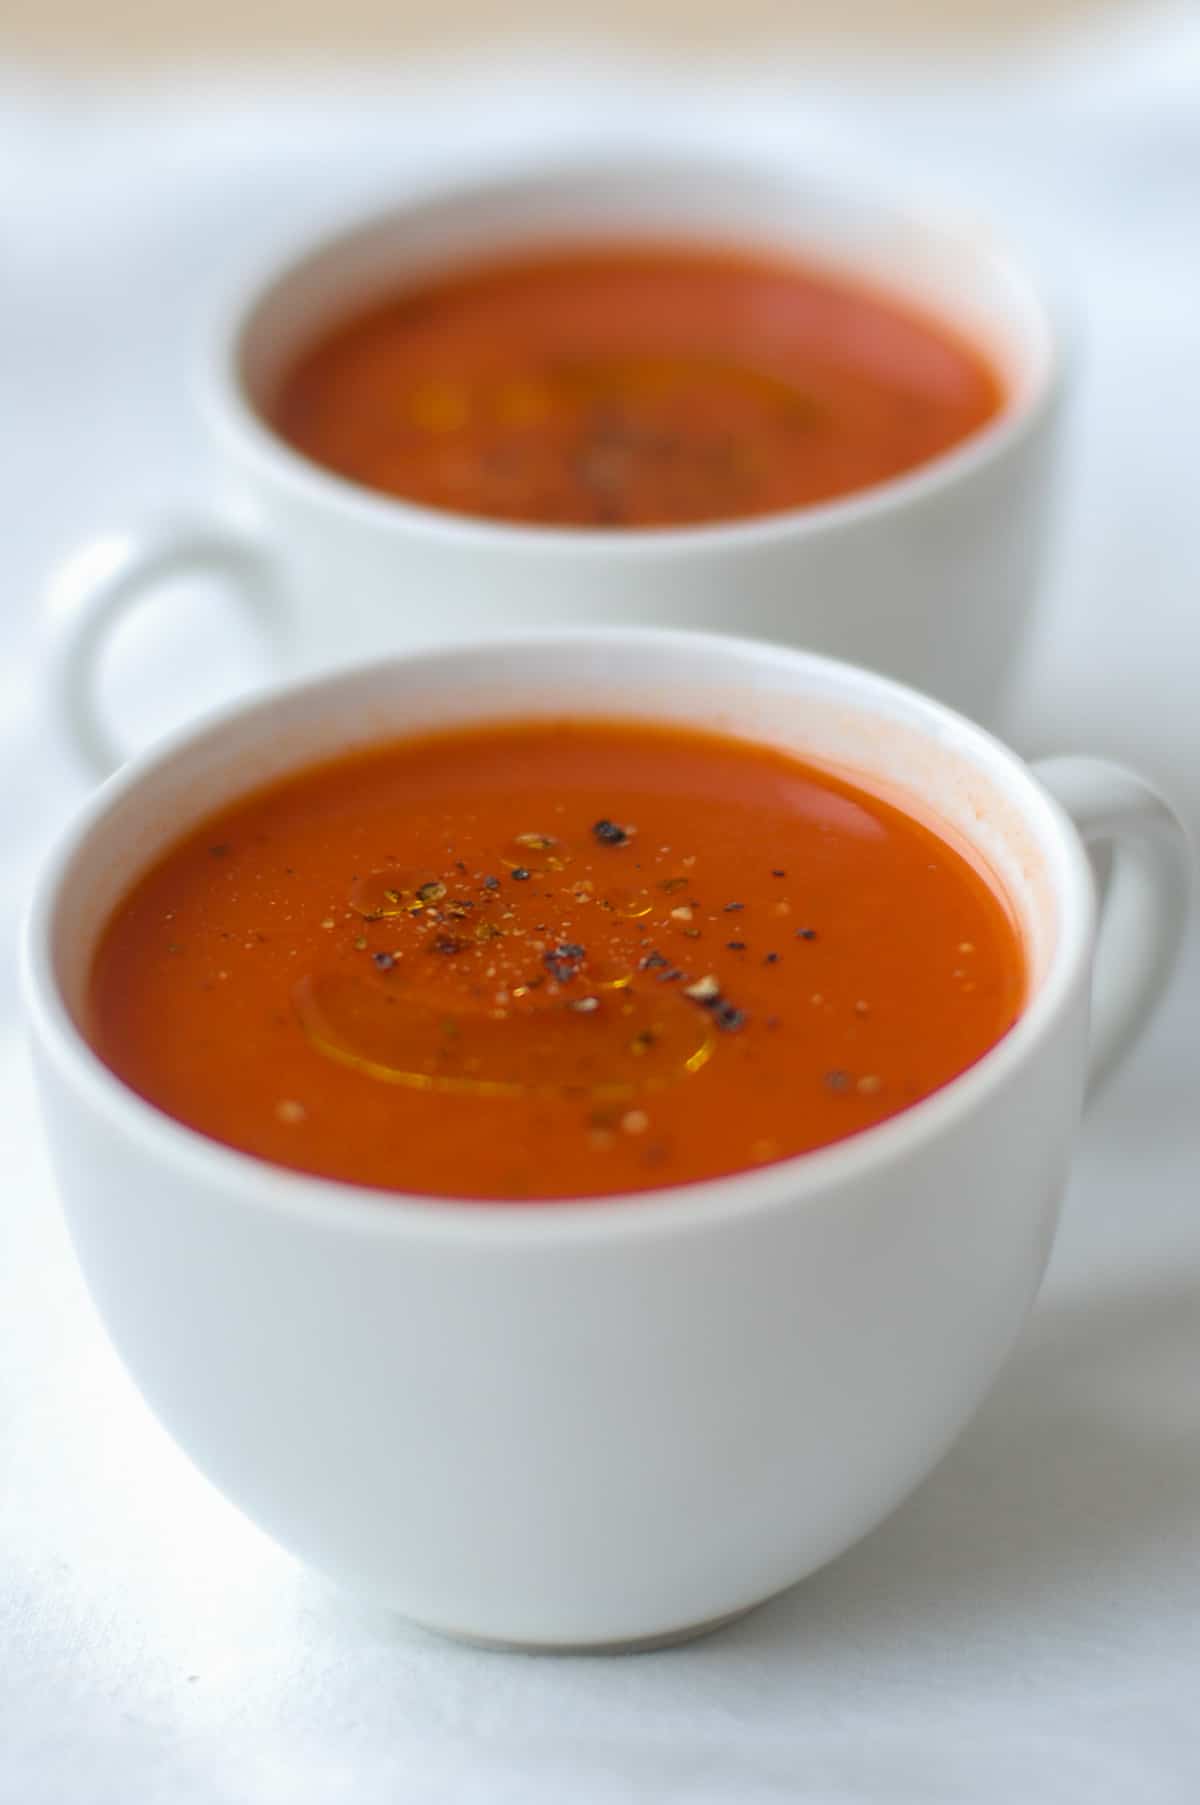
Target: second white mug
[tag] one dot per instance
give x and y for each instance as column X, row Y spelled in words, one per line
column 928, row 577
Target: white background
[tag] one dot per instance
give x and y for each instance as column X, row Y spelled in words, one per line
column 1026, row 1630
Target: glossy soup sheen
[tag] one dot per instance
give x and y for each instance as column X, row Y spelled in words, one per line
column 548, row 960
column 632, row 386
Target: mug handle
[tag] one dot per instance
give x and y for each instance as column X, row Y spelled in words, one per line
column 96, row 587
column 1143, row 897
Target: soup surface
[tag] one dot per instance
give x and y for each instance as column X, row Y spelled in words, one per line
column 632, row 387
column 552, row 959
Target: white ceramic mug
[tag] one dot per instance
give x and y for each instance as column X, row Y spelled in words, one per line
column 615, row 1421
column 929, row 577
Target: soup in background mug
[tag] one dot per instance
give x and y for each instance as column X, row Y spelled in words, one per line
column 603, row 1420
column 928, row 575
column 632, row 387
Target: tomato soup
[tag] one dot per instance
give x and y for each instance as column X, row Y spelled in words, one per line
column 555, row 959
column 632, row 387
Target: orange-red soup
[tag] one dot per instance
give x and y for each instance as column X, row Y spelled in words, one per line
column 552, row 960
column 632, row 386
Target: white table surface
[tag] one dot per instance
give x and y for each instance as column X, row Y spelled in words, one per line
column 1026, row 1629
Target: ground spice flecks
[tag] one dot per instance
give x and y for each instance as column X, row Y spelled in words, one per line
column 706, row 992
column 563, row 962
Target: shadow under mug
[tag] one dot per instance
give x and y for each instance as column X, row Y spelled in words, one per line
column 929, row 577
column 620, row 1421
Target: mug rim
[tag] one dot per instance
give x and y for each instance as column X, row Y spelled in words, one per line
column 740, row 1196
column 236, row 420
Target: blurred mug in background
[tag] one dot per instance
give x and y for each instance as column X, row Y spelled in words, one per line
column 928, row 575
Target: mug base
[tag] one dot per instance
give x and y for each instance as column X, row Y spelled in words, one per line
column 633, row 1645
